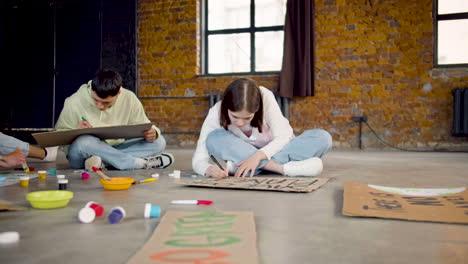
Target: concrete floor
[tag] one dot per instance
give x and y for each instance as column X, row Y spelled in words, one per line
column 291, row 227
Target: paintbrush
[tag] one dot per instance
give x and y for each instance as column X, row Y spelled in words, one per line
column 100, row 173
column 145, row 180
column 25, row 167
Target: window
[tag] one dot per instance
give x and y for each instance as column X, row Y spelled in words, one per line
column 451, row 33
column 242, row 36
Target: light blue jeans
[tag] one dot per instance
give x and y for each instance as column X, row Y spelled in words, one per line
column 120, row 156
column 9, row 144
column 227, row 146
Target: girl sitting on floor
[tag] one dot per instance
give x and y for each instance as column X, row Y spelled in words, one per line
column 249, row 132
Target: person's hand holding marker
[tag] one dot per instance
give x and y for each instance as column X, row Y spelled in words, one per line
column 217, row 171
column 84, row 123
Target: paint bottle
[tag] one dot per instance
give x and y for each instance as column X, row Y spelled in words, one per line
column 98, row 209
column 84, row 175
column 152, row 211
column 116, row 215
column 42, row 174
column 86, row 215
column 62, row 183
column 52, row 171
column 24, row 181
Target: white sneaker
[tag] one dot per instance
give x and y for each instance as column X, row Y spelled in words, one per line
column 231, row 167
column 51, row 154
column 93, row 161
column 159, row 161
column 309, row 167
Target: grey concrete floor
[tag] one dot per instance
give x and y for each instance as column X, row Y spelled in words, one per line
column 291, row 227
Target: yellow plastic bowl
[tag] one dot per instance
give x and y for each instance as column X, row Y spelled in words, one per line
column 117, row 183
column 49, row 199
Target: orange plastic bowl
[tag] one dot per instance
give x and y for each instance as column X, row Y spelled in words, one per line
column 117, row 183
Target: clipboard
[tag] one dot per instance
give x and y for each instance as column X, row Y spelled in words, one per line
column 66, row 137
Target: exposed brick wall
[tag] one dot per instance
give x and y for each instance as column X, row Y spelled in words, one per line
column 373, row 57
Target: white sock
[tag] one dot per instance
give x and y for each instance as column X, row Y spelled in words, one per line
column 139, row 163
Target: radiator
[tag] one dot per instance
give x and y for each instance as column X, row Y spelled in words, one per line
column 460, row 112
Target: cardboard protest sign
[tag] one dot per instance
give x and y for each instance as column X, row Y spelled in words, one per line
column 448, row 205
column 201, row 237
column 281, row 184
column 66, row 137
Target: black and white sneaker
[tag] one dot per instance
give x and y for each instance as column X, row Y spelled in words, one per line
column 159, row 161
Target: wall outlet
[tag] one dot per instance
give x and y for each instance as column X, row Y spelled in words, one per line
column 358, row 119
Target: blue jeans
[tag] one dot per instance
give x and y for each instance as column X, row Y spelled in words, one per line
column 120, row 156
column 9, row 144
column 227, row 146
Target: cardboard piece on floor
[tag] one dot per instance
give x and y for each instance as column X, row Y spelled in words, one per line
column 10, row 178
column 449, row 205
column 281, row 184
column 201, row 237
column 9, row 206
column 66, row 137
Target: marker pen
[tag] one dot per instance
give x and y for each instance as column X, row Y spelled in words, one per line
column 205, row 202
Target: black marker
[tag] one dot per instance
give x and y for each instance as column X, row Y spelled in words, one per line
column 216, row 162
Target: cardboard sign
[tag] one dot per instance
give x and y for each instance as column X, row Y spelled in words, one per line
column 281, row 184
column 9, row 206
column 201, row 237
column 448, row 205
column 66, row 137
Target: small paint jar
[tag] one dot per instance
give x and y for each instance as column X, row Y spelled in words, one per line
column 24, row 181
column 116, row 215
column 86, row 215
column 61, row 176
column 62, row 184
column 152, row 211
column 42, row 174
column 84, row 175
column 52, row 171
column 176, row 173
column 98, row 209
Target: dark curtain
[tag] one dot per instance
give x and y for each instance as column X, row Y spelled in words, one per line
column 297, row 72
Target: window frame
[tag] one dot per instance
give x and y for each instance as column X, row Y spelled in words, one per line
column 444, row 17
column 205, row 32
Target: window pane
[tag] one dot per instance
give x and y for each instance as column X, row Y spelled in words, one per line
column 229, row 53
column 269, row 51
column 452, row 42
column 452, row 6
column 269, row 12
column 225, row 14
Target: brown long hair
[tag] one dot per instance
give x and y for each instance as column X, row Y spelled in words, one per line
column 242, row 94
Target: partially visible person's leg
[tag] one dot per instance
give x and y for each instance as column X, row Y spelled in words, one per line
column 148, row 155
column 227, row 146
column 139, row 147
column 86, row 146
column 301, row 157
column 9, row 144
column 36, row 152
column 311, row 143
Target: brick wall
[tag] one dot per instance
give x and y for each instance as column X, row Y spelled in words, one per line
column 373, row 57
